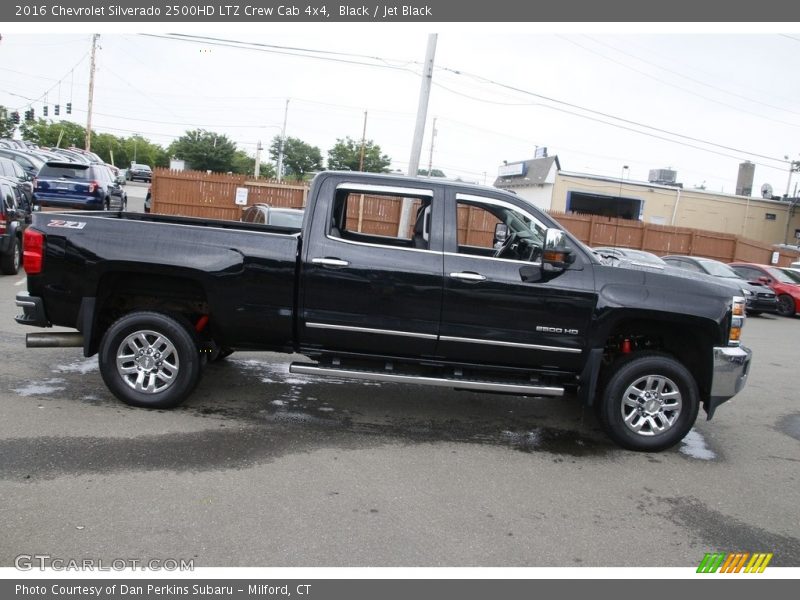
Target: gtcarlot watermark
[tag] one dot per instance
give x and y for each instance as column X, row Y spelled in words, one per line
column 43, row 562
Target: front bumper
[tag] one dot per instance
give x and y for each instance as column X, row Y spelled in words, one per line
column 731, row 367
column 32, row 311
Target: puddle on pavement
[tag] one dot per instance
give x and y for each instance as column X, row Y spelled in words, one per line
column 790, row 425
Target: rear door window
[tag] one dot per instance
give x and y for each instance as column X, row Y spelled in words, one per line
column 65, row 171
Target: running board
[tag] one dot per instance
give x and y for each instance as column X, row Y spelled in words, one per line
column 461, row 384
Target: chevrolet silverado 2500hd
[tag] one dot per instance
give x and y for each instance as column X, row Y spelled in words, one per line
column 454, row 285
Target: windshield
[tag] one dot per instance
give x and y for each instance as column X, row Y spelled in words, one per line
column 779, row 275
column 793, row 274
column 718, row 269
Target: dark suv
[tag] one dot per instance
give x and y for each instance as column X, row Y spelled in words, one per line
column 74, row 185
column 143, row 172
column 13, row 220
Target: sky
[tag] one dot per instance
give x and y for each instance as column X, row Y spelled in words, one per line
column 697, row 101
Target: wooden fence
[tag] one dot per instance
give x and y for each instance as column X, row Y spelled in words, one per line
column 211, row 196
column 596, row 230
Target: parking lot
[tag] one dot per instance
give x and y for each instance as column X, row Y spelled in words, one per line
column 264, row 468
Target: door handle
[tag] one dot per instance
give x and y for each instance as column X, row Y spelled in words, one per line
column 468, row 276
column 330, row 262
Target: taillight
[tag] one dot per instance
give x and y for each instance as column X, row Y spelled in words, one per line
column 32, row 251
column 3, row 223
column 93, row 185
column 35, row 183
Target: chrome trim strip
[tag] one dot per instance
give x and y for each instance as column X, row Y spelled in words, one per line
column 387, row 189
column 25, row 303
column 485, row 386
column 424, row 336
column 344, row 241
column 447, row 338
column 508, row 260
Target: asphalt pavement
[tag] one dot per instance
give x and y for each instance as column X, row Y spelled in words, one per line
column 264, row 468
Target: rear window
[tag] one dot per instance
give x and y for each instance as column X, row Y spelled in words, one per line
column 65, row 171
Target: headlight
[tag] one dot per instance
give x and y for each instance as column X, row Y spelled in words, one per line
column 747, row 292
column 737, row 320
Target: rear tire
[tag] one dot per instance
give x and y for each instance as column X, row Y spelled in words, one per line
column 150, row 359
column 786, row 307
column 10, row 261
column 649, row 403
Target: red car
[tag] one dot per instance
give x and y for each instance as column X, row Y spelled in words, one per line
column 788, row 291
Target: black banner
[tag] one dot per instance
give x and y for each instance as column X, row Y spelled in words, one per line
column 404, row 11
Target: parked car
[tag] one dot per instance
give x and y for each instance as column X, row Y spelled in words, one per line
column 27, row 161
column 78, row 185
column 641, row 259
column 71, row 155
column 14, row 218
column 528, row 311
column 269, row 215
column 785, row 288
column 794, row 274
column 12, row 170
column 759, row 297
column 137, row 171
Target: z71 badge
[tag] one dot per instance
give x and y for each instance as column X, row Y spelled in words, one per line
column 67, row 224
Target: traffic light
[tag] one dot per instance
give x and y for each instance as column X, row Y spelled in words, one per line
column 69, row 108
column 15, row 117
column 44, row 110
column 29, row 114
column 56, row 109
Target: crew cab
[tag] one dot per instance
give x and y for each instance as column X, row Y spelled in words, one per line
column 454, row 285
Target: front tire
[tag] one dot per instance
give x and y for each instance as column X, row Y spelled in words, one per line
column 150, row 360
column 649, row 403
column 10, row 261
column 786, row 306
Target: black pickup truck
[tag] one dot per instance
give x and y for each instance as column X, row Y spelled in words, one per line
column 450, row 285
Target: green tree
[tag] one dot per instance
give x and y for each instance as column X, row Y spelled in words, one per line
column 246, row 164
column 299, row 158
column 205, row 150
column 434, row 173
column 49, row 133
column 7, row 126
column 346, row 156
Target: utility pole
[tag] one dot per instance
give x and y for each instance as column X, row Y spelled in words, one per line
column 283, row 141
column 92, row 66
column 433, row 139
column 257, row 169
column 794, row 167
column 363, row 143
column 419, row 129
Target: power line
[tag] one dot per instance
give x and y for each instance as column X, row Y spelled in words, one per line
column 692, row 79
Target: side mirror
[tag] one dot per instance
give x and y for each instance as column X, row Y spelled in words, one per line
column 500, row 233
column 556, row 255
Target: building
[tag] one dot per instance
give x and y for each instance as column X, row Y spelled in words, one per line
column 530, row 179
column 542, row 182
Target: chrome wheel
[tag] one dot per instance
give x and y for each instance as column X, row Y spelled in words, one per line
column 147, row 361
column 651, row 405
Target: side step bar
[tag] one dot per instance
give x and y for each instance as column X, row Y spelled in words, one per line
column 461, row 384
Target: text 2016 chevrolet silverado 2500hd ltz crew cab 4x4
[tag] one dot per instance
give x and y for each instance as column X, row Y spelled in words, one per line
column 475, row 289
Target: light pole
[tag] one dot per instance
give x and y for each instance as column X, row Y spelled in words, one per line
column 621, row 177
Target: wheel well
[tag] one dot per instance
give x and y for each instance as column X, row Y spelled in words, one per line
column 687, row 343
column 121, row 293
